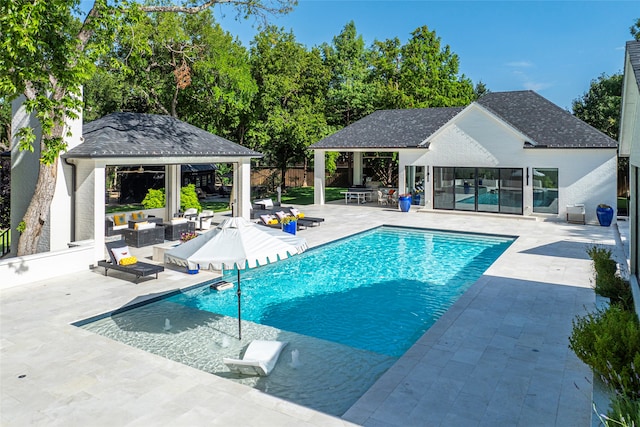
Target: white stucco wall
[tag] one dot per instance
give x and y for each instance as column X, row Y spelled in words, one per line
column 477, row 139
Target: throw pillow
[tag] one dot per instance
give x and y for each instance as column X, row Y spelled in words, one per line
column 137, row 215
column 128, row 260
column 140, row 225
column 119, row 253
column 120, row 219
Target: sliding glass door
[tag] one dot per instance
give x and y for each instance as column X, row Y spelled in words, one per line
column 478, row 189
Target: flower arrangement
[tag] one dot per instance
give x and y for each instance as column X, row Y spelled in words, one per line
column 185, row 237
column 287, row 219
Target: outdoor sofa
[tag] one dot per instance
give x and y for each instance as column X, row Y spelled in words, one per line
column 139, row 269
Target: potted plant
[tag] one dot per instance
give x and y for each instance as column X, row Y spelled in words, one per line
column 605, row 214
column 289, row 224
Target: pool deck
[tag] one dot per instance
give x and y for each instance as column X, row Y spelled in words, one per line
column 499, row 356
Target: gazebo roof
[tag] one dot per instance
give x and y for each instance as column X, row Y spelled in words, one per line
column 136, row 135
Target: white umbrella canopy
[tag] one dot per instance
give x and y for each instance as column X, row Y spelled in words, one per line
column 236, row 243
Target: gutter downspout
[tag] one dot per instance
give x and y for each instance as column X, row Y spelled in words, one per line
column 73, row 199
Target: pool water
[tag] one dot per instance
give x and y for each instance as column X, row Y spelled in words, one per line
column 348, row 310
column 379, row 291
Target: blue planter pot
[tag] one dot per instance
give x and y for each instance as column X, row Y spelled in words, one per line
column 290, row 227
column 605, row 216
column 197, row 269
column 405, row 203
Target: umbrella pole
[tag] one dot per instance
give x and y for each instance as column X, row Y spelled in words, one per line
column 239, row 323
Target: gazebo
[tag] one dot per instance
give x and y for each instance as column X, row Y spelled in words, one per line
column 126, row 139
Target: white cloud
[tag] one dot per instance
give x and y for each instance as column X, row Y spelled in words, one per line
column 520, row 64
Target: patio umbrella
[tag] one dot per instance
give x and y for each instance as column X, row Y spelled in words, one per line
column 236, row 243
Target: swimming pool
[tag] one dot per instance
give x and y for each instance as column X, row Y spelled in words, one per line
column 349, row 310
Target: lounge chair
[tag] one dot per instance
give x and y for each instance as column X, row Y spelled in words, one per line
column 310, row 221
column 140, row 269
column 259, row 359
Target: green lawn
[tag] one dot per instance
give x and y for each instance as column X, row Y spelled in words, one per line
column 304, row 195
column 291, row 196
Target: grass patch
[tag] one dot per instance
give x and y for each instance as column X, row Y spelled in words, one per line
column 304, row 195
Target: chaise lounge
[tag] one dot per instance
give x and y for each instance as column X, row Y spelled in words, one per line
column 259, row 359
column 140, row 269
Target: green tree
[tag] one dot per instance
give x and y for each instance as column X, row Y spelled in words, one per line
column 429, row 73
column 288, row 109
column 600, row 105
column 635, row 30
column 46, row 54
column 349, row 97
column 386, row 60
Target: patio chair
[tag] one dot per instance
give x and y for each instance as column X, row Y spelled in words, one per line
column 311, row 221
column 204, row 219
column 381, row 199
column 269, row 221
column 259, row 358
column 140, row 269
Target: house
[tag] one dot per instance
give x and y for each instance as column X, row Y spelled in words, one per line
column 77, row 212
column 630, row 147
column 507, row 153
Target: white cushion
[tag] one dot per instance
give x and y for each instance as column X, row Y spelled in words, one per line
column 294, row 211
column 146, row 226
column 179, row 221
column 280, row 214
column 267, row 203
column 119, row 253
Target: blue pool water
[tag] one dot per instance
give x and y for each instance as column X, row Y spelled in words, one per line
column 348, row 310
column 378, row 291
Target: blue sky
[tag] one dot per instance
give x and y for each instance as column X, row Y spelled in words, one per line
column 553, row 47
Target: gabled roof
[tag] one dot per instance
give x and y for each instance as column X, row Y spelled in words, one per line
column 633, row 50
column 150, row 135
column 546, row 124
column 390, row 129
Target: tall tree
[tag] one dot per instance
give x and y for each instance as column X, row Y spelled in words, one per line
column 46, row 54
column 386, row 61
column 349, row 97
column 288, row 109
column 429, row 73
column 635, row 29
column 600, row 105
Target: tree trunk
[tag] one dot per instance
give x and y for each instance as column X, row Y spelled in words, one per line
column 304, row 176
column 38, row 211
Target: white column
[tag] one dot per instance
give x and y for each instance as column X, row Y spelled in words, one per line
column 172, row 184
column 242, row 185
column 318, row 177
column 357, row 168
column 99, row 184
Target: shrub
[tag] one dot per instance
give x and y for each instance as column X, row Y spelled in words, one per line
column 609, row 342
column 154, row 199
column 189, row 198
column 624, row 412
column 607, row 284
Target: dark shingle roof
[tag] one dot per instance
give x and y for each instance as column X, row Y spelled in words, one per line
column 633, row 50
column 546, row 124
column 151, row 135
column 390, row 129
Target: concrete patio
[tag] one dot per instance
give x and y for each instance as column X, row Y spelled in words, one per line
column 499, row 356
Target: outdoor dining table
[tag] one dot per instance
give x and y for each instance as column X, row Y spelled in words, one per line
column 360, row 196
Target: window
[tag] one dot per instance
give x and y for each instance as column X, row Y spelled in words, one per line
column 545, row 190
column 478, row 189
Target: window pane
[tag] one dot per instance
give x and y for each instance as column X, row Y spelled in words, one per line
column 443, row 188
column 465, row 189
column 488, row 195
column 545, row 190
column 511, row 191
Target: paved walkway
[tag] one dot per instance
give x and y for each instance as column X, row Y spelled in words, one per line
column 499, row 356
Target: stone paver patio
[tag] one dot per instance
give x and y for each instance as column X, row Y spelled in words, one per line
column 499, row 356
